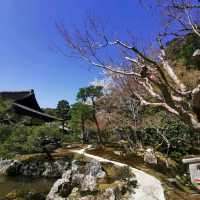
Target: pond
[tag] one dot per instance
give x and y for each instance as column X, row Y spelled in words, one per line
column 21, row 183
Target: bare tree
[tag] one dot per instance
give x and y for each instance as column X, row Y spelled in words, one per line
column 156, row 82
column 181, row 16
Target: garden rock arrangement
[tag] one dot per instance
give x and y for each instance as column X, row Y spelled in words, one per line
column 92, row 180
column 35, row 168
column 80, row 179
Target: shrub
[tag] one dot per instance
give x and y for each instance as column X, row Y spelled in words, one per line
column 14, row 144
column 41, row 136
column 20, row 139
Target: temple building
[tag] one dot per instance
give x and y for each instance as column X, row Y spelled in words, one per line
column 25, row 103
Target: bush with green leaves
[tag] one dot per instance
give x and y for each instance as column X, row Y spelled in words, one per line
column 15, row 141
column 39, row 134
column 20, row 139
column 6, row 112
column 181, row 138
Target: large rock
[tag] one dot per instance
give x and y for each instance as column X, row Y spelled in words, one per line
column 50, row 170
column 34, row 168
column 74, row 166
column 60, row 190
column 80, row 183
column 77, row 179
column 150, row 157
column 67, row 175
column 109, row 194
column 94, row 168
column 55, row 169
column 14, row 168
column 4, row 165
column 89, row 183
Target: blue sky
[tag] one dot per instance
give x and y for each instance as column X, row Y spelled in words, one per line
column 27, row 29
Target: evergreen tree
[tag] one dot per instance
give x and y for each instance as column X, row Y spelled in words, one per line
column 92, row 93
column 63, row 109
column 80, row 114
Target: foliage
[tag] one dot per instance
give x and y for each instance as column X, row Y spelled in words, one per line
column 63, row 109
column 51, row 111
column 15, row 141
column 5, row 132
column 39, row 134
column 22, row 135
column 80, row 113
column 182, row 49
column 4, row 106
column 81, row 120
column 5, row 110
column 92, row 92
column 181, row 137
column 20, row 139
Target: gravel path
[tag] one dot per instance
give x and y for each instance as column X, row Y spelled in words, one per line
column 149, row 188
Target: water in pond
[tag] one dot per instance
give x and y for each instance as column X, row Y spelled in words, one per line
column 20, row 183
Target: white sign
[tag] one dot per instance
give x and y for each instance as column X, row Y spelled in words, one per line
column 195, row 173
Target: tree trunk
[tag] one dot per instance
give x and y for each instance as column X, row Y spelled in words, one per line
column 99, row 138
column 63, row 126
column 83, row 130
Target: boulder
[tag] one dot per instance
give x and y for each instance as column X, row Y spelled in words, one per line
column 4, row 165
column 49, row 170
column 80, row 183
column 67, row 175
column 150, row 157
column 74, row 166
column 109, row 194
column 77, row 179
column 88, row 183
column 14, row 168
column 34, row 168
column 55, row 169
column 60, row 190
column 61, row 165
column 94, row 168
